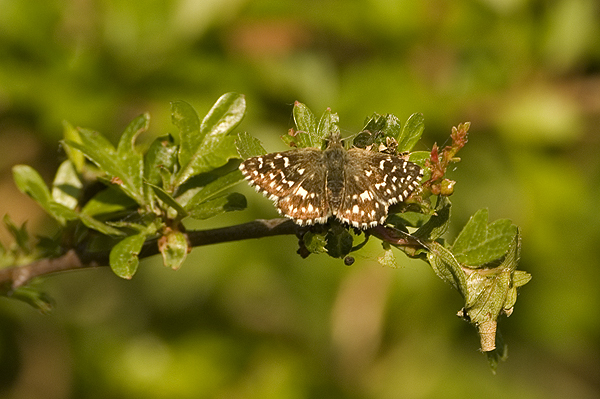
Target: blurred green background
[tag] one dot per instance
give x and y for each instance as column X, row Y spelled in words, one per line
column 252, row 319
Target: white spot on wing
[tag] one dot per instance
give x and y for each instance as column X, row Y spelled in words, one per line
column 301, row 192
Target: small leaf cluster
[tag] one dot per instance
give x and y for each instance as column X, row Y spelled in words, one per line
column 122, row 197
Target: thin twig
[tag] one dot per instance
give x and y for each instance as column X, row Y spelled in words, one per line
column 17, row 276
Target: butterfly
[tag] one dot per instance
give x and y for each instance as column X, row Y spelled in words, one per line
column 310, row 185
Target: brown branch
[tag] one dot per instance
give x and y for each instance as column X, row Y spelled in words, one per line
column 14, row 277
column 396, row 237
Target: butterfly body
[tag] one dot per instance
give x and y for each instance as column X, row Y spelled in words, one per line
column 309, row 185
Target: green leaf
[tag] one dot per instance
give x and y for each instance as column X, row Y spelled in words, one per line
column 446, row 267
column 216, row 148
column 222, row 118
column 126, row 145
column 99, row 226
column 7, row 258
column 300, row 139
column 479, row 243
column 206, row 161
column 66, row 187
column 315, row 242
column 100, row 151
column 123, row 257
column 161, row 156
column 308, row 133
column 225, row 203
column 130, row 160
column 19, row 234
column 491, row 292
column 174, row 249
column 110, row 201
column 31, row 183
column 419, row 157
column 75, row 156
column 328, row 124
column 213, row 188
column 487, row 294
column 411, row 133
column 170, row 201
column 374, row 123
column 37, row 299
column 393, row 127
column 520, row 278
column 185, row 118
column 388, row 124
column 304, row 119
column 248, row 146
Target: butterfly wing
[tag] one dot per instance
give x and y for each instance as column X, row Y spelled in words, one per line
column 294, row 180
column 373, row 182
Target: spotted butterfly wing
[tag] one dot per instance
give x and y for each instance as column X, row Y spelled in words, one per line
column 356, row 186
column 294, row 180
column 373, row 182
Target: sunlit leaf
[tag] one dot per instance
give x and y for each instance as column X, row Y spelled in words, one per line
column 110, row 201
column 479, row 243
column 100, row 151
column 66, row 187
column 31, row 183
column 185, row 118
column 328, row 124
column 75, row 156
column 222, row 118
column 411, row 132
column 304, row 119
column 130, row 159
column 123, row 257
column 99, row 226
column 249, row 146
column 214, row 148
column 205, row 161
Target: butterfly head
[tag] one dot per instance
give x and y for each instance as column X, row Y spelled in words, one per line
column 334, row 139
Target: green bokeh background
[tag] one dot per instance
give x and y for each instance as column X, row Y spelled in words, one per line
column 252, row 319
